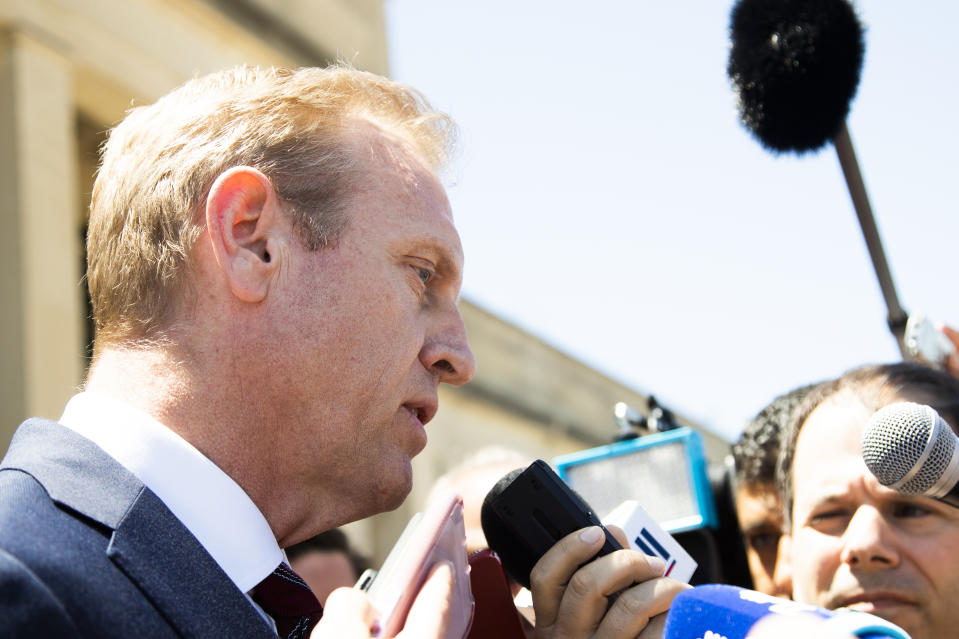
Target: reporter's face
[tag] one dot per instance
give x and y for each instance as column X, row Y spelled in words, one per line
column 759, row 508
column 858, row 544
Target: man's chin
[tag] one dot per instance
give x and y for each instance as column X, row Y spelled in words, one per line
column 396, row 489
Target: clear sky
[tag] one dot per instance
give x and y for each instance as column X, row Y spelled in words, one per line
column 611, row 203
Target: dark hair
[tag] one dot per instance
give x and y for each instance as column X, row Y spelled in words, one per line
column 756, row 451
column 876, row 385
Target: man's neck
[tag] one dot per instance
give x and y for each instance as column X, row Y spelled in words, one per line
column 151, row 379
column 170, row 386
column 211, row 413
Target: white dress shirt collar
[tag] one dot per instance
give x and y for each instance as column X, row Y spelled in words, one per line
column 205, row 499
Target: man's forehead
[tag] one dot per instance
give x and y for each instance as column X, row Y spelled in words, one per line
column 405, row 192
column 828, row 447
column 835, row 425
column 376, row 144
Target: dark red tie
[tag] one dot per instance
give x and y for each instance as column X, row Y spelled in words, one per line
column 286, row 597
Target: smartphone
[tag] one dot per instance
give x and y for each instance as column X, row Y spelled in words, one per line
column 435, row 535
column 532, row 512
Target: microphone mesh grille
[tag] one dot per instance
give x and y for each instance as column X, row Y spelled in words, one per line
column 894, row 442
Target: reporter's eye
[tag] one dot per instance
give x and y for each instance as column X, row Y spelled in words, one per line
column 909, row 510
column 764, row 541
column 425, row 275
column 827, row 516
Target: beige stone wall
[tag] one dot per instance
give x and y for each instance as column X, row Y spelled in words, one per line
column 41, row 321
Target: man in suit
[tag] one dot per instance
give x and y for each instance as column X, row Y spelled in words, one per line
column 274, row 270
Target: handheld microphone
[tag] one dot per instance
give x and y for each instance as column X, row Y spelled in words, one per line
column 911, row 449
column 716, row 610
column 527, row 512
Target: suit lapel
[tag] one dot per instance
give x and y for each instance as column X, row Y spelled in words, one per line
column 171, row 567
column 149, row 544
column 74, row 471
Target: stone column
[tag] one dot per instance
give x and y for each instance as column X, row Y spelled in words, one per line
column 41, row 312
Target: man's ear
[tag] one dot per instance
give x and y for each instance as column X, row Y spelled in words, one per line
column 242, row 215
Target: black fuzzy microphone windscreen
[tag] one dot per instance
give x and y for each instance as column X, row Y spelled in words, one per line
column 795, row 66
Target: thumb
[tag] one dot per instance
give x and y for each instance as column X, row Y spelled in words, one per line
column 347, row 613
column 430, row 614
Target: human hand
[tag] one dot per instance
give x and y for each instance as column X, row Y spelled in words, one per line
column 348, row 613
column 952, row 362
column 570, row 599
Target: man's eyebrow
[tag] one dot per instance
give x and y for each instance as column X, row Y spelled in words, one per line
column 761, row 526
column 831, row 499
column 438, row 250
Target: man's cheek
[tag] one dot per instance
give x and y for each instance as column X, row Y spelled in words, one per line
column 809, row 575
column 822, row 565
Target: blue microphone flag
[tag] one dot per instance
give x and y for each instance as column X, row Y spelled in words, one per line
column 715, row 610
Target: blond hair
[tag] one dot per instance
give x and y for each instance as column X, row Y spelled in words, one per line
column 159, row 163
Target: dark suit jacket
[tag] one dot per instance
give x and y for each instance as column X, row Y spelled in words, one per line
column 86, row 550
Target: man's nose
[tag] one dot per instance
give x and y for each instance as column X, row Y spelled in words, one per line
column 446, row 352
column 867, row 541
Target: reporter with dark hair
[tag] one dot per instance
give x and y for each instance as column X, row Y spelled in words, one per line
column 854, row 542
column 758, row 503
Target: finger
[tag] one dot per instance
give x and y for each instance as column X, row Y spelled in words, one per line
column 347, row 613
column 952, row 334
column 619, row 535
column 618, row 570
column 655, row 629
column 952, row 365
column 952, row 361
column 586, row 598
column 430, row 614
column 635, row 608
column 554, row 569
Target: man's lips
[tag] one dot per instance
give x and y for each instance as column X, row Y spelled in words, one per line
column 424, row 410
column 872, row 600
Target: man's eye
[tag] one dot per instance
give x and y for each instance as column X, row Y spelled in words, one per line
column 425, row 275
column 908, row 510
column 827, row 515
column 764, row 541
